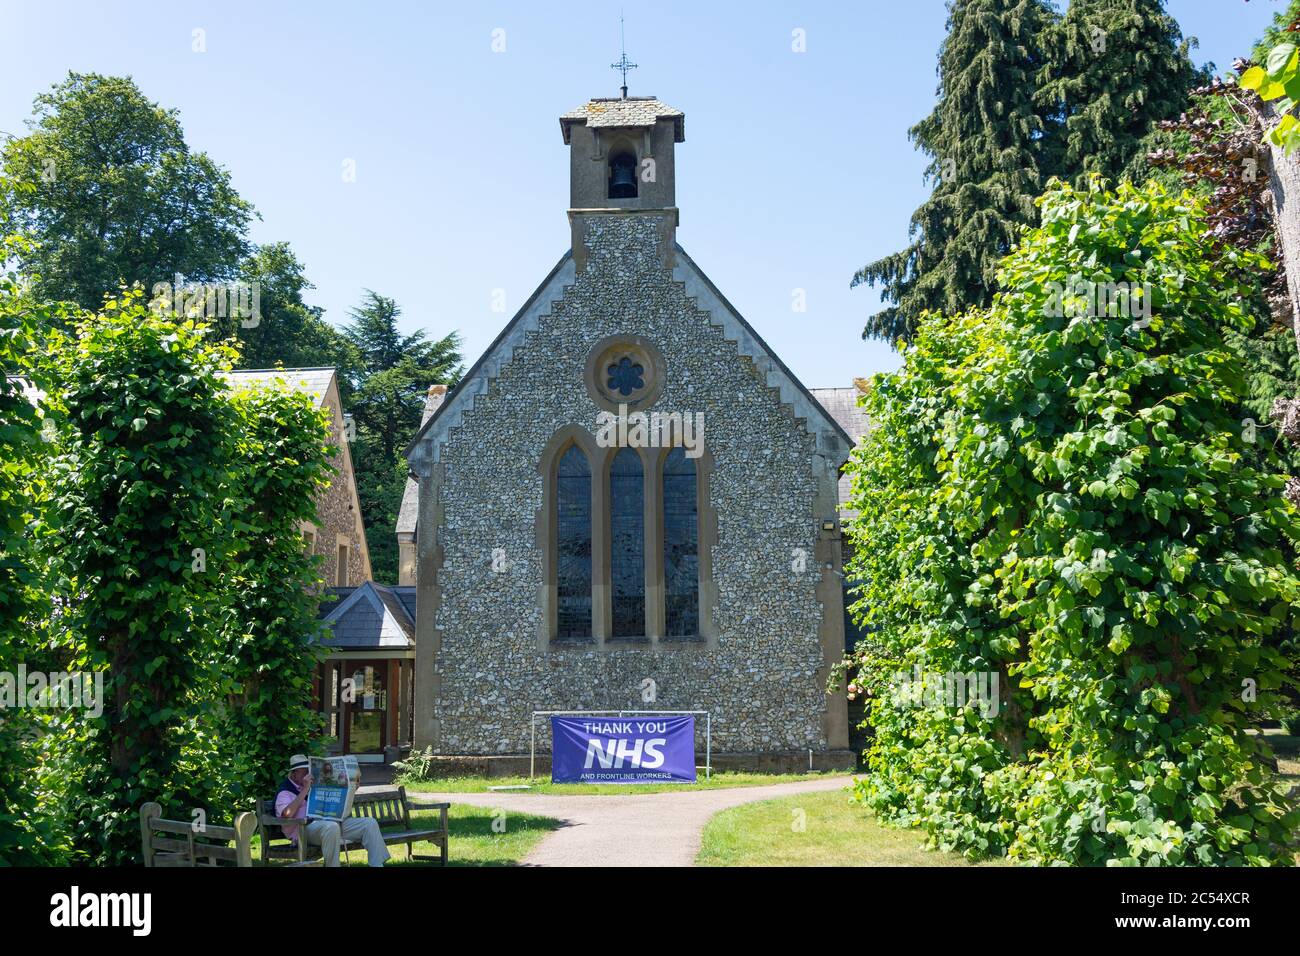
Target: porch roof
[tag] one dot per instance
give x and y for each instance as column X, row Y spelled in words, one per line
column 369, row 617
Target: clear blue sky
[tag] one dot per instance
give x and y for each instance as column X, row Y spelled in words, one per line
column 796, row 167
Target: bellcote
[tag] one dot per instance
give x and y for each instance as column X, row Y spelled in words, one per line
column 621, row 153
column 621, row 159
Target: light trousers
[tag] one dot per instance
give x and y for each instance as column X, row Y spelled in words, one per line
column 328, row 835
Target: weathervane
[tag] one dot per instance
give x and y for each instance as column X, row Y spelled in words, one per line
column 623, row 64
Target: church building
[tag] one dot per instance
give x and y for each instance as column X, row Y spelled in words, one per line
column 629, row 502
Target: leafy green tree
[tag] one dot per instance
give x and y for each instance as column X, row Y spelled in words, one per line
column 287, row 331
column 143, row 532
column 1059, row 493
column 388, row 398
column 1116, row 69
column 106, row 185
column 281, row 464
column 984, row 143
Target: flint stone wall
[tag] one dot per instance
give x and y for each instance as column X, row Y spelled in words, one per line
column 760, row 680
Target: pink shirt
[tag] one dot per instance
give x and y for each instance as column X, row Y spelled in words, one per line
column 282, row 800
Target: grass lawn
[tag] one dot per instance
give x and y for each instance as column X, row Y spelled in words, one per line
column 543, row 784
column 1288, row 771
column 473, row 841
column 834, row 833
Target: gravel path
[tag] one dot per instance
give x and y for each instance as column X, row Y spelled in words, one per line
column 657, row 829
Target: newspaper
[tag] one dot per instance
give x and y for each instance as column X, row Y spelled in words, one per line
column 333, row 785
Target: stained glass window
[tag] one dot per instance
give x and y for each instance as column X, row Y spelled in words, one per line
column 626, row 376
column 573, row 544
column 681, row 547
column 627, row 544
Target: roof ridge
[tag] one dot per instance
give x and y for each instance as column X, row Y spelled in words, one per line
column 295, row 368
column 462, row 393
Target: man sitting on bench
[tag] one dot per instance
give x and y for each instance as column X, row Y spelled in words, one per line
column 291, row 804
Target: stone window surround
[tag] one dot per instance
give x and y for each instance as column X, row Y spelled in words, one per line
column 600, row 460
column 342, row 548
column 609, row 350
column 608, row 141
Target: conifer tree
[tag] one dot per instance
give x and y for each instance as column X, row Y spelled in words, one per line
column 983, row 140
column 387, row 401
column 1116, row 69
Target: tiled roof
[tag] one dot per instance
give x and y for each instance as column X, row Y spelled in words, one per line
column 616, row 112
column 314, row 381
column 842, row 404
column 406, row 594
column 369, row 617
column 408, row 514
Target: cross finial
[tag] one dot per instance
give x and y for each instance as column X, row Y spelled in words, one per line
column 623, row 64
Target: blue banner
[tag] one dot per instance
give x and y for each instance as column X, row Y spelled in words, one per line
column 602, row 749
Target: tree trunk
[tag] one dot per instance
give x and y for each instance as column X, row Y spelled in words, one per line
column 1286, row 413
column 1284, row 190
column 1284, row 184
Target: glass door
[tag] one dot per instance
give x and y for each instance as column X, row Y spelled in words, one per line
column 365, row 709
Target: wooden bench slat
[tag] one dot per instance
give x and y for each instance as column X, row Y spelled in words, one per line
column 183, row 828
column 228, row 853
column 414, row 836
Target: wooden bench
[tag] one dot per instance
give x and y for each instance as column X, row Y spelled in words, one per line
column 187, row 847
column 277, row 846
column 388, row 806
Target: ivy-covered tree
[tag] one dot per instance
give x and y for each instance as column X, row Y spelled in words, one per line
column 108, row 187
column 1060, row 496
column 388, row 398
column 1115, row 69
column 139, row 478
column 984, row 143
column 281, row 464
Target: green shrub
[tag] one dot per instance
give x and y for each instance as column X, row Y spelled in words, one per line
column 418, row 767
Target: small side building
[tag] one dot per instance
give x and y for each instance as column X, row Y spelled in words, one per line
column 364, row 685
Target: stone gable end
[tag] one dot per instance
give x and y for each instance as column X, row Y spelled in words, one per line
column 763, row 679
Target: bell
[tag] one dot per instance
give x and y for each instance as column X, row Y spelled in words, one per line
column 622, row 181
